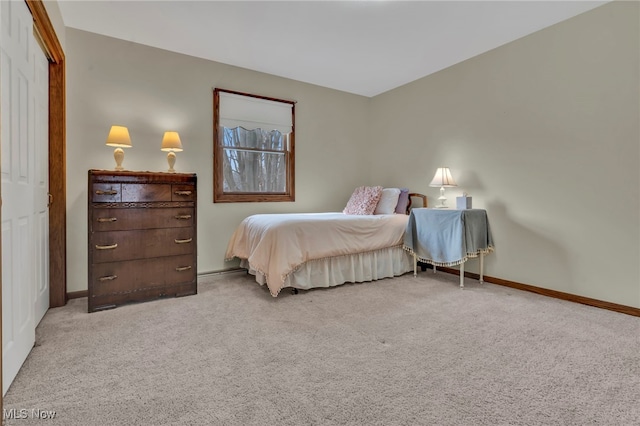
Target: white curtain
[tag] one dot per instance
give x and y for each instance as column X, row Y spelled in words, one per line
column 253, row 160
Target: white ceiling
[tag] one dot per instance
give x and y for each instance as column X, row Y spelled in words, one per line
column 361, row 47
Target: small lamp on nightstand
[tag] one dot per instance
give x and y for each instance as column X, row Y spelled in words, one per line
column 443, row 179
column 171, row 143
column 119, row 137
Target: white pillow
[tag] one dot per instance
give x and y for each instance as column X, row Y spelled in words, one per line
column 388, row 201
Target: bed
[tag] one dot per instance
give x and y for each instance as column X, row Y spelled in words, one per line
column 311, row 250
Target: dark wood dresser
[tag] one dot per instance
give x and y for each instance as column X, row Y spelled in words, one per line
column 142, row 236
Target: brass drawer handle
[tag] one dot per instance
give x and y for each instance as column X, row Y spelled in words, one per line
column 112, row 246
column 108, row 192
column 183, row 268
column 182, row 192
column 107, row 219
column 108, row 278
column 188, row 240
column 183, row 216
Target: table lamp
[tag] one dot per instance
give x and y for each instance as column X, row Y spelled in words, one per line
column 119, row 137
column 442, row 179
column 171, row 143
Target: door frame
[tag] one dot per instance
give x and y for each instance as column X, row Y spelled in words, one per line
column 57, row 163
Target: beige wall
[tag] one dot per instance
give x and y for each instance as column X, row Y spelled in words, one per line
column 150, row 90
column 544, row 134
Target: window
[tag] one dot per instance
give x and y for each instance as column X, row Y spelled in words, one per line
column 253, row 155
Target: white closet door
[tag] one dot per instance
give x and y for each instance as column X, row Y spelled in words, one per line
column 24, row 248
column 41, row 190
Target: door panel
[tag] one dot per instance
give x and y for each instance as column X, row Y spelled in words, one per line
column 41, row 181
column 24, row 181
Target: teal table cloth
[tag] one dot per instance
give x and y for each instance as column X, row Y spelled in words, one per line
column 445, row 237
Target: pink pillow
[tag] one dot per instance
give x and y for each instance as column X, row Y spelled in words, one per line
column 363, row 200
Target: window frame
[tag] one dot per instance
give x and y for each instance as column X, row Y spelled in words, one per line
column 219, row 195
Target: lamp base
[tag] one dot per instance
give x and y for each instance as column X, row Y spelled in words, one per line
column 442, row 199
column 118, row 154
column 171, row 159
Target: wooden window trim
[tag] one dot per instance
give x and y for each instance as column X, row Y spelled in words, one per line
column 219, row 196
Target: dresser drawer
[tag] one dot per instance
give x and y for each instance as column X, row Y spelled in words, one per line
column 124, row 219
column 141, row 244
column 183, row 192
column 145, row 192
column 108, row 301
column 106, row 193
column 135, row 275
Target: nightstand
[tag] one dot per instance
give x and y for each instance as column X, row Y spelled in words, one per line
column 443, row 237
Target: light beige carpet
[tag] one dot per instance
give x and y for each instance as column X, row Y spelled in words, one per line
column 403, row 351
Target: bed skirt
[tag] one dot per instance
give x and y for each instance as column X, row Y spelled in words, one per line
column 356, row 268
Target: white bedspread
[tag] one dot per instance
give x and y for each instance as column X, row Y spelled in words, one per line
column 276, row 244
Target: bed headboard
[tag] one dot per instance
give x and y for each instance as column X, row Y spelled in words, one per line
column 416, row 195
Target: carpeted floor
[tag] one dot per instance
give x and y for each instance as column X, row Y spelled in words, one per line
column 403, row 351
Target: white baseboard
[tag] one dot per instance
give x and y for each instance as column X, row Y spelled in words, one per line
column 202, row 276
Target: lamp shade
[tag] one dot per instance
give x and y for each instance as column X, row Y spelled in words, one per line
column 443, row 178
column 171, row 142
column 119, row 137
